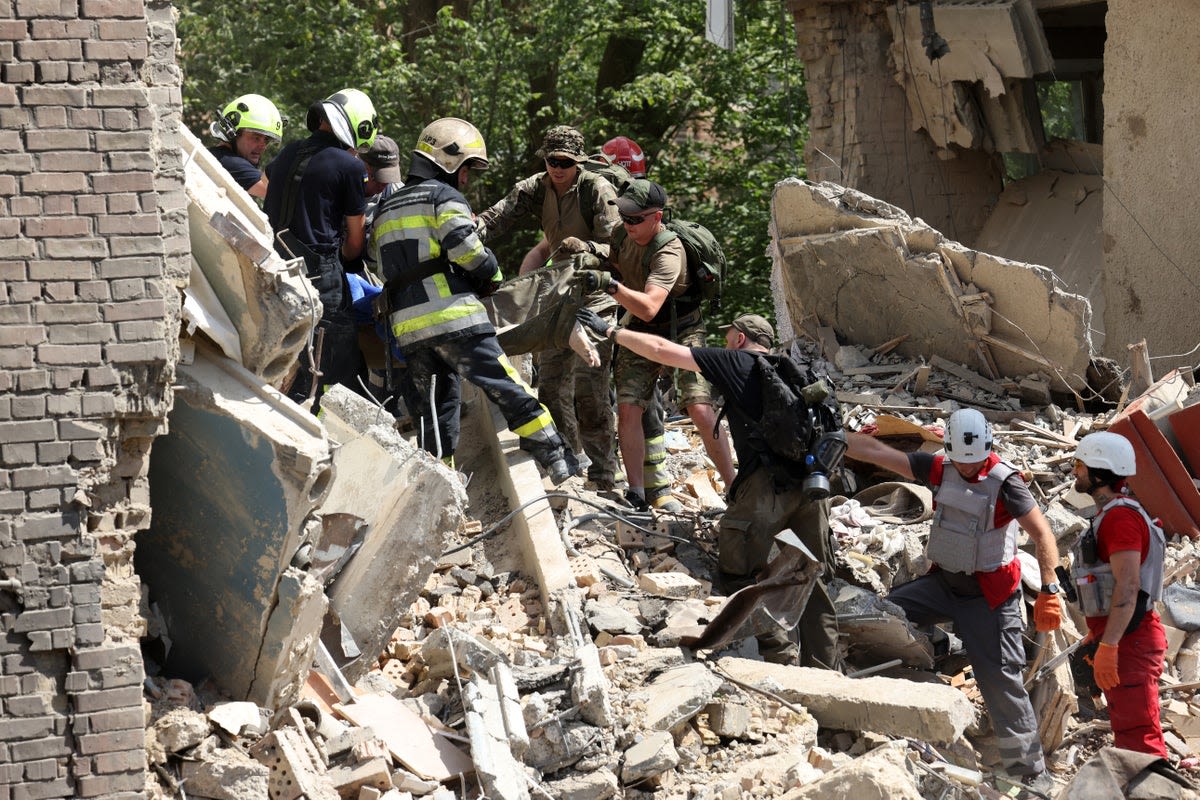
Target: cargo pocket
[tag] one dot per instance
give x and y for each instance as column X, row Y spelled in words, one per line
column 733, row 545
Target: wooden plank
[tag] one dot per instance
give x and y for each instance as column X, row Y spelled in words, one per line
column 970, row 376
column 890, row 345
column 829, row 342
column 411, row 741
column 879, row 369
column 1046, row 432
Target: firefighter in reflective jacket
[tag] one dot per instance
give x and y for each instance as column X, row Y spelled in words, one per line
column 981, row 502
column 436, row 268
column 1117, row 568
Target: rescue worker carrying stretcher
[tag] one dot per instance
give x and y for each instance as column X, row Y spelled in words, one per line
column 436, row 269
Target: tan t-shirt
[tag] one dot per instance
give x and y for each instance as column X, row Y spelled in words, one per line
column 666, row 267
column 562, row 215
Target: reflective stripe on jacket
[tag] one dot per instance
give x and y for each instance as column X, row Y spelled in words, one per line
column 962, row 537
column 425, row 242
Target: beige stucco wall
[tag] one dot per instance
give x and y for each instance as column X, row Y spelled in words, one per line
column 1152, row 167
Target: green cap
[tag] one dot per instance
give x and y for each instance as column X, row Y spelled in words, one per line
column 640, row 195
column 755, row 327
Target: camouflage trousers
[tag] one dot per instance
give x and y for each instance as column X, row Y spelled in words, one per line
column 578, row 398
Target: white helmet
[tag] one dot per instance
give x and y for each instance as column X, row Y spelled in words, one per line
column 1110, row 451
column 450, row 142
column 968, row 436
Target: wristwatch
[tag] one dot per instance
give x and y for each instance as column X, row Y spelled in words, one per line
column 1050, row 588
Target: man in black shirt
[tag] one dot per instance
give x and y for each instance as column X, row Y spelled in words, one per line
column 766, row 495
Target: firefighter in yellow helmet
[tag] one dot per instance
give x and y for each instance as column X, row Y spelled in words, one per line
column 247, row 126
column 436, row 269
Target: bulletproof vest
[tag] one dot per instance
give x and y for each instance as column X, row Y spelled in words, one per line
column 1094, row 582
column 962, row 537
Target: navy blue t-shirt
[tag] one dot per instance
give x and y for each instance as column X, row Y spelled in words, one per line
column 245, row 173
column 331, row 189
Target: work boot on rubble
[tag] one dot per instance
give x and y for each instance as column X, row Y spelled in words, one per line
column 550, row 456
column 1027, row 787
column 577, row 463
column 663, row 500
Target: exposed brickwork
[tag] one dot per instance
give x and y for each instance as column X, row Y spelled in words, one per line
column 93, row 250
column 861, row 132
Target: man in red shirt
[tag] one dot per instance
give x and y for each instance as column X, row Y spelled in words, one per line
column 1117, row 567
column 980, row 502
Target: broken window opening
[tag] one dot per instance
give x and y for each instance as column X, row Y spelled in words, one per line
column 1062, row 108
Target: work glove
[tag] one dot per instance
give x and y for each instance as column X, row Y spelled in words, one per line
column 595, row 280
column 1047, row 612
column 572, row 245
column 1104, row 666
column 593, row 321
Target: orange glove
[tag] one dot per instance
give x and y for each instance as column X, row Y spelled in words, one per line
column 1104, row 666
column 1047, row 612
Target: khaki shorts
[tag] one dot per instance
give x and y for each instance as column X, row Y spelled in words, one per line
column 635, row 376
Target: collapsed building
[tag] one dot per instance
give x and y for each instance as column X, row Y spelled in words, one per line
column 158, row 492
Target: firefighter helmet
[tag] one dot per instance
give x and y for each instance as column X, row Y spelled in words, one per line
column 626, row 152
column 351, row 115
column 450, row 142
column 250, row 112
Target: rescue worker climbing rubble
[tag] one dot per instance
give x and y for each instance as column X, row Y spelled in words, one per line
column 654, row 287
column 975, row 582
column 436, row 269
column 247, row 126
column 572, row 205
column 1117, row 568
column 316, row 205
column 767, row 496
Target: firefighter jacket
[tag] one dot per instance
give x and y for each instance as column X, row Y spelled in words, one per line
column 1093, row 577
column 434, row 263
column 962, row 537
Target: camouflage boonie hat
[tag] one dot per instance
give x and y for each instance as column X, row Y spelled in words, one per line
column 563, row 141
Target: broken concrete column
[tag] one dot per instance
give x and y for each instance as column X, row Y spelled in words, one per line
column 410, row 503
column 928, row 711
column 232, row 486
column 500, row 773
column 270, row 303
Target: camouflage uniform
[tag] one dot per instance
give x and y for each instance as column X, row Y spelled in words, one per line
column 576, row 395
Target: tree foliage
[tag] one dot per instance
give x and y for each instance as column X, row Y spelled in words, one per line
column 719, row 128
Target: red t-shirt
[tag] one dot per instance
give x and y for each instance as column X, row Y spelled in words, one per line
column 1014, row 501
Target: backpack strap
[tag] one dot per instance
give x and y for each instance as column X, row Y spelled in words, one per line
column 291, row 187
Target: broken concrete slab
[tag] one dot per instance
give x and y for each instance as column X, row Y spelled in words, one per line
column 876, row 257
column 233, row 486
column 270, row 303
column 487, row 727
column 883, row 772
column 653, row 755
column 226, row 774
column 409, row 501
column 928, row 711
column 676, row 696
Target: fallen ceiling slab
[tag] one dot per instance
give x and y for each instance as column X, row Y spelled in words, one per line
column 864, row 268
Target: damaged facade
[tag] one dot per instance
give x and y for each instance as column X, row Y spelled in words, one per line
column 1108, row 210
column 264, row 551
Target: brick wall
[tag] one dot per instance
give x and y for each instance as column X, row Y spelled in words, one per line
column 93, row 250
column 861, row 133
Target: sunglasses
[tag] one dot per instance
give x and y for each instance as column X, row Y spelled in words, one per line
column 628, row 220
column 562, row 163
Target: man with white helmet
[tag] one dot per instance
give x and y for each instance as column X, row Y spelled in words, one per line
column 980, row 502
column 316, row 204
column 246, row 127
column 1117, row 568
column 436, row 269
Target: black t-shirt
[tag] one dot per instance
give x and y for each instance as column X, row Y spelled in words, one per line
column 245, row 173
column 735, row 375
column 331, row 189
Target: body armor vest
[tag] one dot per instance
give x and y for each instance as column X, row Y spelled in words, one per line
column 1093, row 578
column 962, row 537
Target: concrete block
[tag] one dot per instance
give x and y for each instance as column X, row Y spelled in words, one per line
column 409, row 501
column 890, row 706
column 270, row 304
column 498, row 770
column 670, row 584
column 254, row 466
column 653, row 755
column 226, row 774
column 296, row 768
column 676, row 696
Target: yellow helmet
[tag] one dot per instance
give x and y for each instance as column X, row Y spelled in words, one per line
column 351, row 115
column 451, row 142
column 249, row 112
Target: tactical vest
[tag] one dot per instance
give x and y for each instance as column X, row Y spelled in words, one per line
column 962, row 538
column 1093, row 578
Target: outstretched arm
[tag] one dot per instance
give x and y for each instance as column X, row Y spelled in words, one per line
column 867, row 448
column 646, row 345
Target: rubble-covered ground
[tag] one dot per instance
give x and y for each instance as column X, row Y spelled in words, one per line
column 670, row 723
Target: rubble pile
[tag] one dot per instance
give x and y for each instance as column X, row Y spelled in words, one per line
column 477, row 694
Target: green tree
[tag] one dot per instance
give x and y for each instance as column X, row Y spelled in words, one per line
column 719, row 127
